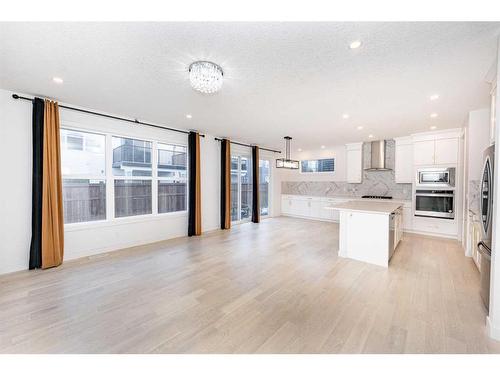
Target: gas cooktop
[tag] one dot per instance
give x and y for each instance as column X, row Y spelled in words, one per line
column 376, row 196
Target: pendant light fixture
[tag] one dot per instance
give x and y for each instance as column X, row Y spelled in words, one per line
column 287, row 162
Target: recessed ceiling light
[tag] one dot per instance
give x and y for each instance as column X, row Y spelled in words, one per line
column 189, row 116
column 370, row 136
column 355, row 44
column 299, row 150
column 433, row 127
column 345, row 116
column 359, row 128
column 57, row 80
column 323, row 146
column 434, row 97
column 434, row 115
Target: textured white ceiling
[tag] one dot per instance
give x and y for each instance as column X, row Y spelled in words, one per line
column 281, row 79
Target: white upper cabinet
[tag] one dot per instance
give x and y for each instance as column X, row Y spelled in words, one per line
column 439, row 148
column 446, row 151
column 423, row 152
column 354, row 153
column 403, row 164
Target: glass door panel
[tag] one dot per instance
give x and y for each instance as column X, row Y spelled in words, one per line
column 264, row 179
column 235, row 192
column 246, row 188
column 241, row 188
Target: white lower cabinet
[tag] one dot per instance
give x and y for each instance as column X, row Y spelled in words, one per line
column 301, row 207
column 407, row 217
column 318, row 208
column 286, row 203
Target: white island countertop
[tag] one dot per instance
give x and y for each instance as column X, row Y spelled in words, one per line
column 368, row 206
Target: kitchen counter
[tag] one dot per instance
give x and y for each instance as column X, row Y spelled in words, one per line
column 368, row 206
column 369, row 230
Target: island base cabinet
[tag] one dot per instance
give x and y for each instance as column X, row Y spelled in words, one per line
column 364, row 237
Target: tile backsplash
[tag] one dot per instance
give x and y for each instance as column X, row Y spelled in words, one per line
column 474, row 195
column 374, row 182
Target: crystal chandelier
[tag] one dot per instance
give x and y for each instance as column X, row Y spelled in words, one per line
column 205, row 76
column 286, row 162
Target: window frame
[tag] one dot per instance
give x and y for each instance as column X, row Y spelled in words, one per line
column 80, row 176
column 158, row 178
column 317, row 159
column 109, row 179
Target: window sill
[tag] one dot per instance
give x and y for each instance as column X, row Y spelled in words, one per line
column 74, row 227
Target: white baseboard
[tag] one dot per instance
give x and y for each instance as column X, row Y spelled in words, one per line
column 493, row 332
column 430, row 234
column 310, row 218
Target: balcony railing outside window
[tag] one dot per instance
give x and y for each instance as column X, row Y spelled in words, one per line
column 132, row 155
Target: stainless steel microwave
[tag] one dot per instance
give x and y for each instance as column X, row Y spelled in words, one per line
column 436, row 178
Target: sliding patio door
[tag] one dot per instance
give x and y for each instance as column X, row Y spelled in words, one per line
column 241, row 188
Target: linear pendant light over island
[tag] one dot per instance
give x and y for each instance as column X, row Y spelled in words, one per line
column 286, row 162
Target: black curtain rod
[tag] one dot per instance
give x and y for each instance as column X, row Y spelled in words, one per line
column 243, row 144
column 15, row 96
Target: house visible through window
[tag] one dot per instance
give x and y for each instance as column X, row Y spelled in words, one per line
column 84, row 176
column 317, row 165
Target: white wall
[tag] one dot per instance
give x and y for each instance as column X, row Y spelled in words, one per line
column 275, row 184
column 86, row 239
column 15, row 187
column 337, row 152
column 493, row 321
column 279, row 174
column 477, row 130
column 478, row 139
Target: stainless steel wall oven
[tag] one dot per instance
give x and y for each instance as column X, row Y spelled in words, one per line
column 435, row 203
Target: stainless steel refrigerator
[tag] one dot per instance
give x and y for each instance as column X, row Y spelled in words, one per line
column 486, row 201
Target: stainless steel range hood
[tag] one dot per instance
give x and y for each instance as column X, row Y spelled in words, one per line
column 377, row 162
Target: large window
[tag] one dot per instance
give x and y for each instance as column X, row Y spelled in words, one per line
column 131, row 164
column 129, row 176
column 317, row 165
column 172, row 178
column 83, row 166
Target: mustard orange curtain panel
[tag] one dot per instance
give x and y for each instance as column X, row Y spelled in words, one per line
column 47, row 221
column 225, row 184
column 194, row 208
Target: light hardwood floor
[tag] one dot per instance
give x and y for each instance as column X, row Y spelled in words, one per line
column 275, row 287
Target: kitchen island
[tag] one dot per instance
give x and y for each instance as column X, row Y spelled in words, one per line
column 369, row 230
